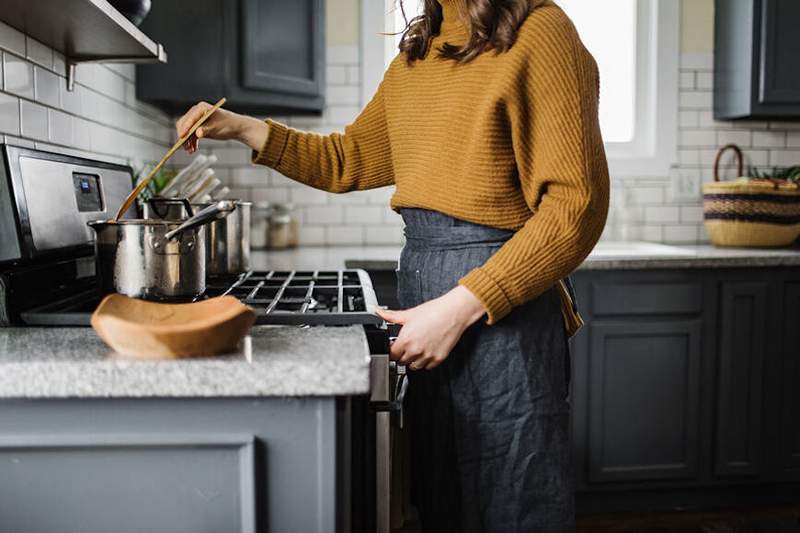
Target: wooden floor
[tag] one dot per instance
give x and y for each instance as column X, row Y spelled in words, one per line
column 754, row 520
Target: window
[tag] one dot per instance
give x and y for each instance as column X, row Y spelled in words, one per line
column 635, row 44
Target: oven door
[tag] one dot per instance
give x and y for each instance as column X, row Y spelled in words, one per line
column 388, row 386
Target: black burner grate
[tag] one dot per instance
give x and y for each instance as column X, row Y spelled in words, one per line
column 328, row 297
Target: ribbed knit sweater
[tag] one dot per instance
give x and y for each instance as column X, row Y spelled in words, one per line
column 508, row 140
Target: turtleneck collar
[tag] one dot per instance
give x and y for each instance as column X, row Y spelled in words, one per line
column 453, row 28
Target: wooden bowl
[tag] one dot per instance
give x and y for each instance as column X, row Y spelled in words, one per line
column 150, row 330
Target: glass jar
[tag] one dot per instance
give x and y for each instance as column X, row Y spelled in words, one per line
column 259, row 225
column 283, row 227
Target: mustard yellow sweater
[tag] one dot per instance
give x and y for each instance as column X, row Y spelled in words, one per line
column 510, row 141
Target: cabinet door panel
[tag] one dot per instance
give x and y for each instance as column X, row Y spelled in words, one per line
column 741, row 369
column 282, row 46
column 643, row 400
column 779, row 81
column 790, row 429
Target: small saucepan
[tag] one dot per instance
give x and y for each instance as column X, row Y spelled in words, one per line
column 228, row 241
column 155, row 259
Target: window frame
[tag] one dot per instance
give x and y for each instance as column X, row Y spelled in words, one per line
column 654, row 148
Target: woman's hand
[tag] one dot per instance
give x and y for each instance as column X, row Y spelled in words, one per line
column 431, row 330
column 222, row 125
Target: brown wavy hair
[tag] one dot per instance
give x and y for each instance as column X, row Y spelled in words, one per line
column 492, row 25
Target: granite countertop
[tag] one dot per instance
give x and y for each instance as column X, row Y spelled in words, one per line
column 606, row 256
column 273, row 361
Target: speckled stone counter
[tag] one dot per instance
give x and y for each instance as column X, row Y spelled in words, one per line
column 273, row 361
column 606, row 256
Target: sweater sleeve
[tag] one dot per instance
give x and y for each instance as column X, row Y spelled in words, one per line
column 563, row 174
column 357, row 159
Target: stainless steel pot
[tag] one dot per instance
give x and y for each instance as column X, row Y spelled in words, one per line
column 155, row 259
column 168, row 208
column 228, row 241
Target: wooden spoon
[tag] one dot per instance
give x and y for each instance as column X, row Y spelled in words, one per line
column 142, row 184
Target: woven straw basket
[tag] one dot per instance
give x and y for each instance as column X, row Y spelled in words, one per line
column 750, row 212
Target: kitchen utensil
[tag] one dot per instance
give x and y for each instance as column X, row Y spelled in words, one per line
column 168, row 208
column 221, row 193
column 228, row 241
column 173, row 187
column 283, row 227
column 193, row 187
column 155, row 259
column 750, row 212
column 142, row 184
column 149, row 330
column 200, row 173
column 207, row 187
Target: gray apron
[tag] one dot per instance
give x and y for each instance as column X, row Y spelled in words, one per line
column 490, row 449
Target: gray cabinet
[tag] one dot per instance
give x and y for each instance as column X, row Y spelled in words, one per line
column 790, row 413
column 264, row 56
column 643, row 400
column 740, row 370
column 684, row 387
column 755, row 59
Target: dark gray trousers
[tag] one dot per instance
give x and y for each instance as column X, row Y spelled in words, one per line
column 490, row 448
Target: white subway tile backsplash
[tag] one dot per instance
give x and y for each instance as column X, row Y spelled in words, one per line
column 17, row 76
column 9, row 114
column 344, row 54
column 336, row 75
column 344, row 235
column 697, row 138
column 12, row 39
column 769, row 139
column 311, row 235
column 705, row 80
column 691, row 213
column 644, row 195
column 697, row 61
column 383, row 235
column 343, row 95
column 46, row 87
column 695, row 99
column 33, row 120
column 327, row 214
column 39, row 53
column 364, row 214
column 308, row 196
column 354, row 74
column 784, row 158
column 60, row 65
column 342, row 114
column 687, row 80
column 688, row 119
column 662, row 214
column 741, row 138
column 680, row 234
column 61, row 128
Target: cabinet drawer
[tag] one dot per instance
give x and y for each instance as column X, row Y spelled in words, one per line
column 646, row 298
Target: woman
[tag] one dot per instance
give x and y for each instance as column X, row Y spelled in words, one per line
column 486, row 122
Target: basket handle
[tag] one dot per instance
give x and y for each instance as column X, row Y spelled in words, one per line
column 739, row 159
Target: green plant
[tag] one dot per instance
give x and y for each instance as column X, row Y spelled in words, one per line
column 791, row 174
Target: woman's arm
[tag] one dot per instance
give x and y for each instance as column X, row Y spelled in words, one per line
column 357, row 159
column 562, row 170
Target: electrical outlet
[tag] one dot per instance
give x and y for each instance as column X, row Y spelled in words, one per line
column 685, row 184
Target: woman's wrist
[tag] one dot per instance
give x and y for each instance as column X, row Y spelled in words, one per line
column 253, row 132
column 471, row 309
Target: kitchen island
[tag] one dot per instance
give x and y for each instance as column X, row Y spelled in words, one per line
column 93, row 442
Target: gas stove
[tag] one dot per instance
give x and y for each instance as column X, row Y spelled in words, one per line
column 313, row 298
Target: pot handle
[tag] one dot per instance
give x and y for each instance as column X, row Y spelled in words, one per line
column 211, row 213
